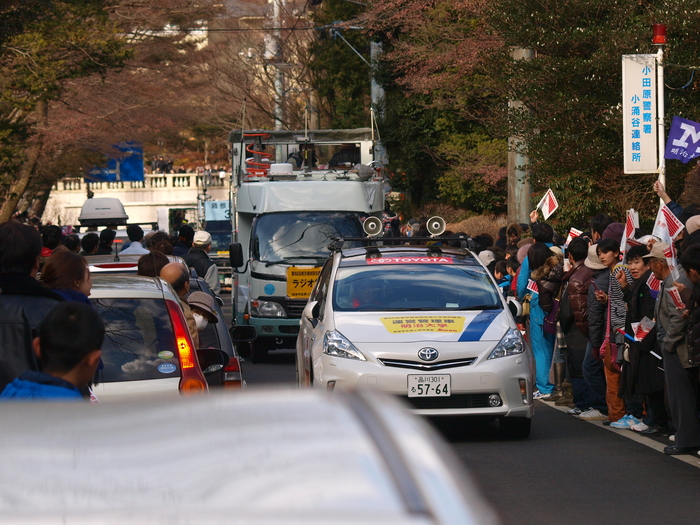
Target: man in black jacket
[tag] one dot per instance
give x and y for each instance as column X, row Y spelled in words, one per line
column 24, row 302
column 198, row 258
column 106, row 240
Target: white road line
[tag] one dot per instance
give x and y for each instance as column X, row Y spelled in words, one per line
column 690, row 459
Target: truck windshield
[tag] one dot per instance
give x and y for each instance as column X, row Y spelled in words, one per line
column 301, row 236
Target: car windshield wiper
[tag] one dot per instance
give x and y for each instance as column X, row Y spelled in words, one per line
column 286, row 260
column 483, row 307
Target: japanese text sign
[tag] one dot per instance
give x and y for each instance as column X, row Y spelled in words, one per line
column 639, row 113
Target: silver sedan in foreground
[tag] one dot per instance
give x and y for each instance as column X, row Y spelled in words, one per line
column 274, row 457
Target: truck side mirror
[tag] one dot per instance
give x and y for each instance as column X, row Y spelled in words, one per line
column 243, row 333
column 235, row 254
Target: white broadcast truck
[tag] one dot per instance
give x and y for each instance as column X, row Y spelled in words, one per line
column 286, row 216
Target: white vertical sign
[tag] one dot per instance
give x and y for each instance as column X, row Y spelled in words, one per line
column 639, row 124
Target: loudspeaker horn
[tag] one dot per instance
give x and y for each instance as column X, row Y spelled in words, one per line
column 372, row 226
column 436, row 225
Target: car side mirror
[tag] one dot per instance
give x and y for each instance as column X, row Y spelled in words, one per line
column 220, row 301
column 243, row 333
column 312, row 312
column 212, row 361
column 514, row 306
column 235, row 254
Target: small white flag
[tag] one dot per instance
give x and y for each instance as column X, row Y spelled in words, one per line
column 642, row 328
column 631, row 224
column 676, row 297
column 548, row 204
column 532, row 286
column 573, row 233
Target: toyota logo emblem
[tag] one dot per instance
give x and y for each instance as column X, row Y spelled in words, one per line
column 428, row 354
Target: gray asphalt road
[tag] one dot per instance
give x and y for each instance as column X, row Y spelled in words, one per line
column 569, row 472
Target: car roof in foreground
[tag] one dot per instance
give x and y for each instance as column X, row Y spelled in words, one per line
column 284, row 457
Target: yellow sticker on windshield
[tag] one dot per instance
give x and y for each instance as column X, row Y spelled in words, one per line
column 443, row 323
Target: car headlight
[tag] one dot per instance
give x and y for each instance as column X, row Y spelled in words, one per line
column 335, row 344
column 266, row 309
column 510, row 344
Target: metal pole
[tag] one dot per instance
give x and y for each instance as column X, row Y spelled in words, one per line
column 661, row 115
column 279, row 74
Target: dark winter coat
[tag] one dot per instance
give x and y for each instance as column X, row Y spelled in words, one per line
column 597, row 311
column 577, row 280
column 549, row 281
column 641, row 375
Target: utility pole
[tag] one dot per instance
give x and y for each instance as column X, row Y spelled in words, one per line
column 279, row 73
column 518, row 174
column 659, row 40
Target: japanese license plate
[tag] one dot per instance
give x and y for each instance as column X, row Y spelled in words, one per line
column 300, row 281
column 429, row 385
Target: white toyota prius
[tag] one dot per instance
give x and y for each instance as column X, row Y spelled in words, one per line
column 427, row 324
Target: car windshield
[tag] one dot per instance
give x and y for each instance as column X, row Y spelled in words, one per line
column 139, row 341
column 414, row 287
column 220, row 235
column 298, row 237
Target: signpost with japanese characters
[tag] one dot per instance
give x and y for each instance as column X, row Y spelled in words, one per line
column 639, row 111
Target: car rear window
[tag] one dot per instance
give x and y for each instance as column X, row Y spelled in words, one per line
column 139, row 341
column 406, row 287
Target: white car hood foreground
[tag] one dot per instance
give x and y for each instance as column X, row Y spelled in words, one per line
column 407, row 327
column 287, row 457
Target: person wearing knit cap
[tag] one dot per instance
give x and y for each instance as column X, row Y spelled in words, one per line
column 614, row 231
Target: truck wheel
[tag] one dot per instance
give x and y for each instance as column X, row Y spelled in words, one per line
column 259, row 351
column 515, row 427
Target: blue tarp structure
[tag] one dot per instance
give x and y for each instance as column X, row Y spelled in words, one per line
column 127, row 167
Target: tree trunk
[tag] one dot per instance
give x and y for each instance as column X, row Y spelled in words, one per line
column 26, row 171
column 39, row 199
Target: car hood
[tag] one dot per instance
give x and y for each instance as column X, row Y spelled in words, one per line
column 406, row 327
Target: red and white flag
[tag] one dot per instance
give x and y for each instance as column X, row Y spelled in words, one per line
column 548, row 204
column 671, row 259
column 642, row 328
column 676, row 297
column 573, row 233
column 532, row 286
column 631, row 224
column 653, row 283
column 667, row 226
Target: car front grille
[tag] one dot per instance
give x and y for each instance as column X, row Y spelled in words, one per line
column 292, row 330
column 415, row 365
column 453, row 401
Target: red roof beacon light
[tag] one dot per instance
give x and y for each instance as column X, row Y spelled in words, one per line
column 659, row 31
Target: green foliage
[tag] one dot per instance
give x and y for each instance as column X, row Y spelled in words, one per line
column 573, row 122
column 340, row 77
